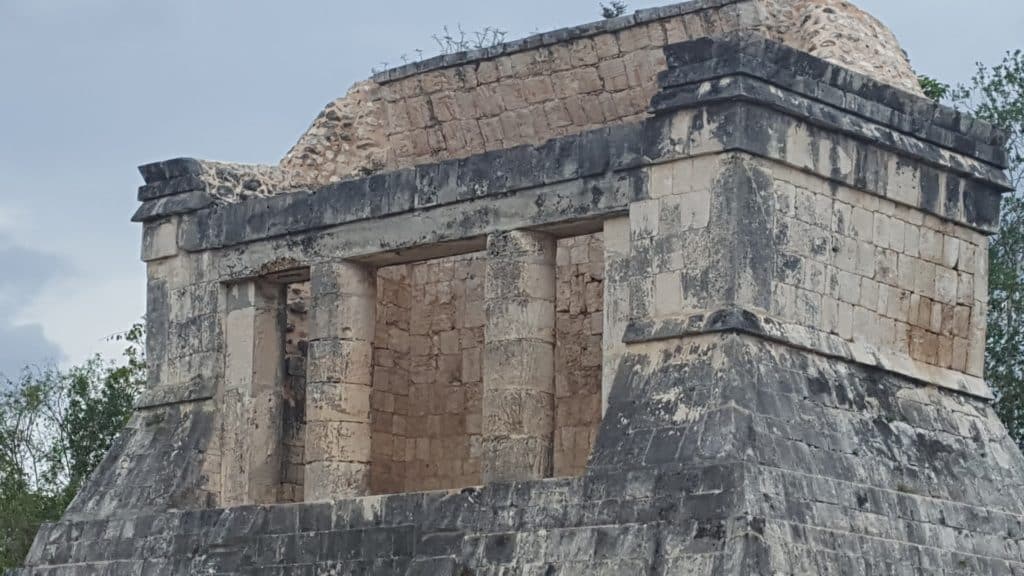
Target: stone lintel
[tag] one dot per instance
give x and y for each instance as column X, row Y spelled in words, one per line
column 577, row 160
column 560, row 208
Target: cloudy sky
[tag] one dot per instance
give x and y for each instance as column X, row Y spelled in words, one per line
column 91, row 89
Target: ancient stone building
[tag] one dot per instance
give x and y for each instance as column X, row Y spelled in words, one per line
column 698, row 290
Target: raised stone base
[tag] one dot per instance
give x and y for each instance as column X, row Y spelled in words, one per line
column 720, row 454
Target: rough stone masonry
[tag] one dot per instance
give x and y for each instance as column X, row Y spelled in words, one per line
column 699, row 290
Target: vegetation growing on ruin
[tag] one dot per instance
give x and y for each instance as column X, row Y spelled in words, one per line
column 613, row 9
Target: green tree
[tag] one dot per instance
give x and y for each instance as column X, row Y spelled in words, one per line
column 55, row 427
column 996, row 95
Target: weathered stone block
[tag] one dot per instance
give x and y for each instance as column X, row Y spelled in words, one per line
column 333, row 480
column 344, row 361
column 344, row 316
column 518, row 412
column 160, row 239
column 332, row 441
column 517, row 319
column 516, row 458
column 337, row 402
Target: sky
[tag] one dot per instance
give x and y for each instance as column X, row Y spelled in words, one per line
column 91, row 89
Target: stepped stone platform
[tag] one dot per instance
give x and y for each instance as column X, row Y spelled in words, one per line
column 688, row 300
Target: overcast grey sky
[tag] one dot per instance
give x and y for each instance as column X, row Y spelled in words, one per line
column 91, row 89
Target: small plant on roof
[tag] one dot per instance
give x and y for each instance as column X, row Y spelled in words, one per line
column 452, row 41
column 613, row 9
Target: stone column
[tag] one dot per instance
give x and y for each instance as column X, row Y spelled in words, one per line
column 616, row 301
column 338, row 380
column 254, row 371
column 518, row 379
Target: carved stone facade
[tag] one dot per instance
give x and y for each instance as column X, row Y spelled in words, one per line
column 734, row 328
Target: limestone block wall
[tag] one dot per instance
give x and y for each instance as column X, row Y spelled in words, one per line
column 426, row 403
column 579, row 312
column 527, row 97
column 846, row 263
column 389, row 398
column 446, row 340
column 869, row 270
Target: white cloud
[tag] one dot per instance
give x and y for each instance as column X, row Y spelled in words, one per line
column 80, row 313
column 10, row 217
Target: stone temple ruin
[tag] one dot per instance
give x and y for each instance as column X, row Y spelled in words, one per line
column 697, row 290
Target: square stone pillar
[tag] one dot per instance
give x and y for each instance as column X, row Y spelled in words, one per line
column 338, row 380
column 251, row 404
column 519, row 349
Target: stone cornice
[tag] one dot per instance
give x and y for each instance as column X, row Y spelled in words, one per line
column 748, row 54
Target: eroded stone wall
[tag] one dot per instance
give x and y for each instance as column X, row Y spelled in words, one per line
column 869, row 270
column 446, row 341
column 579, row 314
column 426, row 401
column 847, row 263
column 838, row 31
column 529, row 95
column 426, row 404
column 389, row 399
column 526, row 97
